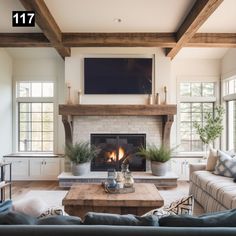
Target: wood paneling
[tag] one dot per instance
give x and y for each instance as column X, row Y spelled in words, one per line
column 200, row 12
column 48, row 25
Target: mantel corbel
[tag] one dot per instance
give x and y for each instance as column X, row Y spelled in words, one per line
column 166, row 128
column 68, row 126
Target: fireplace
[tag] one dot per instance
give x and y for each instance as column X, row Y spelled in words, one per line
column 116, row 149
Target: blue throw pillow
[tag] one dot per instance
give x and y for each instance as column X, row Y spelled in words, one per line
column 216, row 219
column 94, row 218
column 5, row 206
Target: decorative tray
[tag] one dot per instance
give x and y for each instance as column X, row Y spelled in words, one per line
column 118, row 190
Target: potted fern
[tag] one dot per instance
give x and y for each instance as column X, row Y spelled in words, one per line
column 80, row 154
column 159, row 157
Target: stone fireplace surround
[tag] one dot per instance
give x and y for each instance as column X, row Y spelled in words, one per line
column 80, row 121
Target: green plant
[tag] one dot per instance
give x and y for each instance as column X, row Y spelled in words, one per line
column 154, row 153
column 213, row 126
column 80, row 152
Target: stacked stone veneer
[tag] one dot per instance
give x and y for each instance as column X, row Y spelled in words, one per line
column 83, row 126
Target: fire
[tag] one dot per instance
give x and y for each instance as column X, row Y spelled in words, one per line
column 121, row 153
column 112, row 155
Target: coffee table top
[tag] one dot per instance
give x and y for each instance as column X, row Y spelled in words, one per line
column 145, row 195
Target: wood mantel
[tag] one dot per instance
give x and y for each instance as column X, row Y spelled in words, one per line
column 166, row 111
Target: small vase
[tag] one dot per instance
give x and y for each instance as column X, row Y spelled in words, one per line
column 207, row 147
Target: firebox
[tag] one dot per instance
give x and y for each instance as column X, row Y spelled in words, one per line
column 115, row 149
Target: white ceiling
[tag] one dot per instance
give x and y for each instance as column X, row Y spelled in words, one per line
column 6, row 8
column 223, row 20
column 136, row 15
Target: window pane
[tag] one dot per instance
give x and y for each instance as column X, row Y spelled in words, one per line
column 196, row 107
column 185, row 89
column 24, row 89
column 47, row 116
column 47, row 126
column 36, row 116
column 48, row 107
column 36, row 107
column 47, row 89
column 47, row 146
column 35, row 127
column 36, row 89
column 207, row 107
column 196, row 89
column 25, row 107
column 208, row 89
column 231, row 116
column 185, row 107
column 185, row 126
column 185, row 117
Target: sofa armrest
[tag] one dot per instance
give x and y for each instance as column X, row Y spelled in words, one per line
column 196, row 167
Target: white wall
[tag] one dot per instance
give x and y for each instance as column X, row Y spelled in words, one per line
column 74, row 73
column 5, row 103
column 42, row 69
column 228, row 65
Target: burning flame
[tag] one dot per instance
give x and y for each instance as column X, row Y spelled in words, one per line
column 112, row 155
column 121, row 153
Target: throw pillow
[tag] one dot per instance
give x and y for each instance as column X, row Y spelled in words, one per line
column 211, row 160
column 53, row 211
column 16, row 218
column 216, row 219
column 94, row 218
column 60, row 220
column 178, row 207
column 226, row 165
column 30, row 206
column 5, row 206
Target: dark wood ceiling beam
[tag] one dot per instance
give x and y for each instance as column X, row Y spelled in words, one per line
column 199, row 13
column 118, row 39
column 48, row 25
column 23, row 40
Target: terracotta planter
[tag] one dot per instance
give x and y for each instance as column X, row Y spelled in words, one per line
column 159, row 168
column 80, row 169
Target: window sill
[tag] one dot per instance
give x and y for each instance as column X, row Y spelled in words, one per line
column 188, row 155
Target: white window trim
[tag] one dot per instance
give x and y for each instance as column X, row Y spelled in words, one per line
column 215, row 99
column 15, row 113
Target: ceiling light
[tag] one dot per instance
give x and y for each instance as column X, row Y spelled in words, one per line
column 117, row 20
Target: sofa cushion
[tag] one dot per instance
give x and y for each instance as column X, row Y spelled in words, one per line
column 211, row 160
column 60, row 220
column 180, row 206
column 226, row 165
column 16, row 218
column 219, row 187
column 217, row 219
column 94, row 218
column 5, row 206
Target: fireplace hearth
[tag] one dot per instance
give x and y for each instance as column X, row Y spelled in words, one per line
column 116, row 149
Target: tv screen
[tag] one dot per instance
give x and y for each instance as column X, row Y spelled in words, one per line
column 118, row 75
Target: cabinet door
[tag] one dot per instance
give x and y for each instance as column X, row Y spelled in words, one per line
column 36, row 168
column 20, row 168
column 51, row 168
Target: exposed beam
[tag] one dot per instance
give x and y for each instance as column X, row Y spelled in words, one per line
column 23, row 40
column 222, row 40
column 199, row 13
column 118, row 39
column 48, row 25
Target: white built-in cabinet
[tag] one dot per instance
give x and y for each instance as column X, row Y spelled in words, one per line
column 35, row 168
column 180, row 166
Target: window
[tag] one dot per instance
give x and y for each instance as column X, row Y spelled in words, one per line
column 35, row 116
column 230, row 86
column 231, row 129
column 196, row 99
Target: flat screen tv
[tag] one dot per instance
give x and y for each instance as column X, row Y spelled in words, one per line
column 118, row 75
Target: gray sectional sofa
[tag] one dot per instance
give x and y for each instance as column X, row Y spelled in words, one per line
column 212, row 192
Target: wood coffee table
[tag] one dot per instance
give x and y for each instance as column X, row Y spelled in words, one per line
column 82, row 198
